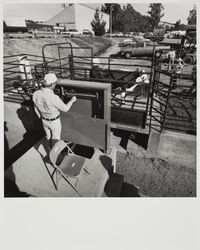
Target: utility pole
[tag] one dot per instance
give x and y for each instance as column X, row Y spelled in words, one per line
column 111, row 10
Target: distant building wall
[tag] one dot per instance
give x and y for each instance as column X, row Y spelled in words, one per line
column 14, row 24
column 84, row 16
column 69, row 25
column 76, row 16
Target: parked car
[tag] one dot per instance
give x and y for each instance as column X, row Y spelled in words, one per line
column 117, row 34
column 145, row 51
column 127, row 35
column 107, row 35
column 135, row 43
column 87, row 32
column 128, row 42
column 71, row 32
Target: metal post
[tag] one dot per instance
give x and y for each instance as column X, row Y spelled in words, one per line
column 71, row 66
column 60, row 61
column 167, row 102
column 111, row 9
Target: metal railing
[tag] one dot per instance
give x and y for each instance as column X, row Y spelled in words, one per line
column 174, row 102
column 170, row 100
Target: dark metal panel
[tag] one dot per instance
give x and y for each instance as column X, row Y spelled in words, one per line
column 88, row 121
column 128, row 117
column 84, row 130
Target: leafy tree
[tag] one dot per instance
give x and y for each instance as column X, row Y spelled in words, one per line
column 107, row 7
column 192, row 18
column 155, row 14
column 167, row 28
column 134, row 21
column 116, row 14
column 177, row 25
column 127, row 19
column 98, row 25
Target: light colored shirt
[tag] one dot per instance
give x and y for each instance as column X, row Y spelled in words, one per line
column 179, row 68
column 142, row 79
column 172, row 54
column 48, row 104
column 25, row 69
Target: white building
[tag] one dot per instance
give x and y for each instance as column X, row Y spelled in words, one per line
column 14, row 24
column 76, row 16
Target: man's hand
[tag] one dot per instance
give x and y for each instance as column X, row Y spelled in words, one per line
column 73, row 99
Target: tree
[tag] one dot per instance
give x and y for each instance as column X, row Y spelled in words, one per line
column 177, row 25
column 127, row 19
column 155, row 14
column 192, row 18
column 98, row 25
column 115, row 11
column 134, row 21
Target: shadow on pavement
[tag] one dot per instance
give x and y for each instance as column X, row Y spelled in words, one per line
column 10, row 188
column 129, row 190
column 34, row 132
column 139, row 139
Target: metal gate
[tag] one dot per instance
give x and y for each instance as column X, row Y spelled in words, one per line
column 77, row 63
column 160, row 94
column 173, row 102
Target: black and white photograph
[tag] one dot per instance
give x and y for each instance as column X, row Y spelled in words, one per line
column 99, row 100
column 99, row 115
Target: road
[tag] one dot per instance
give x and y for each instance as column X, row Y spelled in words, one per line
column 113, row 49
column 121, row 63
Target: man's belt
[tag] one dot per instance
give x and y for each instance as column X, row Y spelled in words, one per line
column 52, row 119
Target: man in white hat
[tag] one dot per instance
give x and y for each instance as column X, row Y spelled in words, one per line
column 178, row 70
column 24, row 68
column 179, row 66
column 171, row 57
column 48, row 107
column 141, row 79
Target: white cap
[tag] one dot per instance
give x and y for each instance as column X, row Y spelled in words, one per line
column 180, row 60
column 96, row 60
column 21, row 57
column 143, row 71
column 50, row 78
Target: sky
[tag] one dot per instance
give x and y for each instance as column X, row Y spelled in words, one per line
column 42, row 12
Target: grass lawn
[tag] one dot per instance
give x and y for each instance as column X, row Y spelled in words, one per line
column 156, row 177
column 34, row 46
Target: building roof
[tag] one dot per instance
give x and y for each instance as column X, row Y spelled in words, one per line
column 14, row 21
column 67, row 15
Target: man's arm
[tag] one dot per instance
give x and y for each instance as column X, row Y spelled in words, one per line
column 37, row 111
column 60, row 105
column 35, row 107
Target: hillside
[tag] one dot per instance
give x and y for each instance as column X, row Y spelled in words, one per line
column 34, row 46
